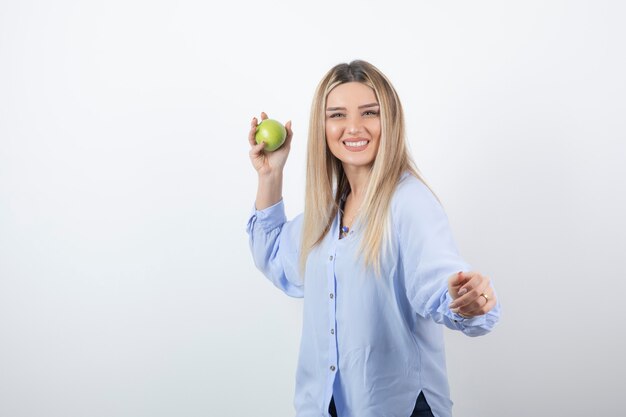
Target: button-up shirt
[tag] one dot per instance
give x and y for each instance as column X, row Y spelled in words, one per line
column 372, row 342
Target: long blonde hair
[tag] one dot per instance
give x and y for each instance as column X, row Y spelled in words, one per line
column 326, row 181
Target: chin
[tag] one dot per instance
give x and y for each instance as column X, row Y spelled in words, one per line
column 353, row 161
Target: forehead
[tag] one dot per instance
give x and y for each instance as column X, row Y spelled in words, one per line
column 352, row 93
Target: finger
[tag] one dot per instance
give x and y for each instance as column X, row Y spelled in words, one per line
column 257, row 149
column 263, row 115
column 251, row 135
column 466, row 276
column 289, row 134
column 465, row 292
column 456, row 280
column 474, row 287
column 475, row 307
column 486, row 307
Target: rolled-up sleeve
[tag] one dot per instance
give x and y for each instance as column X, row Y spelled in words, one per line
column 429, row 256
column 274, row 243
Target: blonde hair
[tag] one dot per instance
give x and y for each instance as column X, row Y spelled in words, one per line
column 326, row 181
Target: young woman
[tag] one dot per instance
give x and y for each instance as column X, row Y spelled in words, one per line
column 372, row 255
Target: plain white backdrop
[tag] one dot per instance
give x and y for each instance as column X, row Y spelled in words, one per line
column 126, row 284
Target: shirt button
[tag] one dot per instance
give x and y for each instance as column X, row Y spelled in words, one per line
column 331, row 258
column 332, row 296
column 332, row 367
column 332, row 331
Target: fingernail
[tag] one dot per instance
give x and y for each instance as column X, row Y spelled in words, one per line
column 462, row 291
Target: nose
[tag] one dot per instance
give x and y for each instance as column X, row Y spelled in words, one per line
column 354, row 125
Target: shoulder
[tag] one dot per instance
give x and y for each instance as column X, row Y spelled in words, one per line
column 413, row 192
column 414, row 201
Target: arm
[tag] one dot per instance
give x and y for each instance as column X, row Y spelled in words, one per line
column 273, row 241
column 430, row 260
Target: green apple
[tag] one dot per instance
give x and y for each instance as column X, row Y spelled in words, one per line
column 272, row 132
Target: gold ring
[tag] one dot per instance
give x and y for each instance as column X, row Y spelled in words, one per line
column 485, row 295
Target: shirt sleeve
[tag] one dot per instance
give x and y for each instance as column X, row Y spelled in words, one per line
column 274, row 243
column 429, row 256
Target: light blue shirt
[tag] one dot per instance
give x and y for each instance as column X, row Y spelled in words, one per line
column 374, row 343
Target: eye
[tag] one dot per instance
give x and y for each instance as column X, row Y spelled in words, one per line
column 370, row 113
column 335, row 115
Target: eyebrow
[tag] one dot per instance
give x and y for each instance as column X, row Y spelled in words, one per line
column 360, row 107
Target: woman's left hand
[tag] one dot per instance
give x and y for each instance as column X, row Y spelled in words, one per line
column 472, row 294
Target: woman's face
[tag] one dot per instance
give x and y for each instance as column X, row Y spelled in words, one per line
column 353, row 124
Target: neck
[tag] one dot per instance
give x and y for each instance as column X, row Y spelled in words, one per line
column 358, row 178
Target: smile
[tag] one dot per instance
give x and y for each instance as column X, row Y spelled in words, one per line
column 356, row 145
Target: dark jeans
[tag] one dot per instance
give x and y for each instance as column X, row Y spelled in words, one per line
column 422, row 409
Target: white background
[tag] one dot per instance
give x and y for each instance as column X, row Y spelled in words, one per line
column 126, row 283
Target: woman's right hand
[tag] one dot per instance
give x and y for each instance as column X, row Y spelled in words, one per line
column 268, row 163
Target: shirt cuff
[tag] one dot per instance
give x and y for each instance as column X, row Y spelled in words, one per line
column 270, row 217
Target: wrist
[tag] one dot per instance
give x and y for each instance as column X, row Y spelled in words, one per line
column 270, row 190
column 271, row 177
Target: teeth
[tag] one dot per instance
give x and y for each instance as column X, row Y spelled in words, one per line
column 356, row 144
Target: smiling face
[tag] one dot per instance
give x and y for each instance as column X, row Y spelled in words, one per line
column 353, row 124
